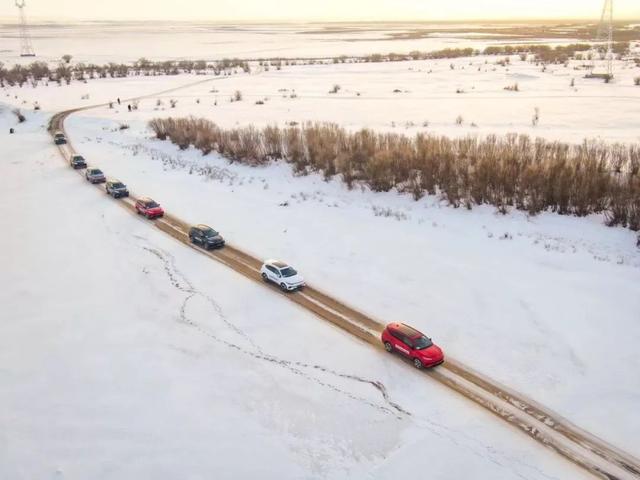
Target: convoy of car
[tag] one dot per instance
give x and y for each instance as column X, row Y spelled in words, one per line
column 283, row 275
column 206, row 237
column 116, row 189
column 149, row 208
column 95, row 175
column 396, row 337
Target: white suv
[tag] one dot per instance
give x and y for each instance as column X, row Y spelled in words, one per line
column 282, row 275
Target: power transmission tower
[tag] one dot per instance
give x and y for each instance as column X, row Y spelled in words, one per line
column 605, row 33
column 603, row 48
column 26, row 48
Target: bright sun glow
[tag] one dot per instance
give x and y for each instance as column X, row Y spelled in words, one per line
column 334, row 10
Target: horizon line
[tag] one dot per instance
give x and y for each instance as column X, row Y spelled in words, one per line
column 56, row 19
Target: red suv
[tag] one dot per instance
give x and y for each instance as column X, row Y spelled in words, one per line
column 147, row 207
column 413, row 344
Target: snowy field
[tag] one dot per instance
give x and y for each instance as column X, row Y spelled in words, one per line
column 126, row 355
column 523, row 299
column 403, row 97
column 102, row 42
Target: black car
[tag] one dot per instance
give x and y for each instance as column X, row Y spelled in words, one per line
column 59, row 138
column 77, row 161
column 206, row 237
column 116, row 189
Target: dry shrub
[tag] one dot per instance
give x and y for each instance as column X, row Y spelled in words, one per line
column 511, row 171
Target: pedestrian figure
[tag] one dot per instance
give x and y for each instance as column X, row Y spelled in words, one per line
column 129, row 107
column 118, row 100
column 11, row 130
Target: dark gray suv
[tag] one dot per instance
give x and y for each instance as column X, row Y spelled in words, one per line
column 206, row 237
column 77, row 161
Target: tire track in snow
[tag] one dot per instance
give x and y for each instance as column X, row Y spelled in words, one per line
column 179, row 281
column 183, row 284
column 176, row 277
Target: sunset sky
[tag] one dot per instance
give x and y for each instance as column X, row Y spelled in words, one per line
column 347, row 10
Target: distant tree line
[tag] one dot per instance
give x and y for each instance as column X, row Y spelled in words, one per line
column 39, row 71
column 66, row 72
column 512, row 171
column 540, row 53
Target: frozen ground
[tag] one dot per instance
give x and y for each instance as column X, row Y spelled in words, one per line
column 102, row 42
column 548, row 305
column 404, row 97
column 126, row 355
column 98, row 363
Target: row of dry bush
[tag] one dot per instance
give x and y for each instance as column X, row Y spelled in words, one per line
column 557, row 54
column 41, row 71
column 512, row 171
column 538, row 53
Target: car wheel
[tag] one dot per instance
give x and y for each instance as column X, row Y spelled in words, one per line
column 417, row 363
column 264, row 277
column 388, row 347
column 148, row 216
column 283, row 287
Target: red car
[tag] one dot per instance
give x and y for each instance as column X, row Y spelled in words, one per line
column 413, row 344
column 147, row 207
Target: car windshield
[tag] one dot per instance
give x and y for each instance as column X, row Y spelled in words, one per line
column 288, row 272
column 96, row 172
column 151, row 204
column 422, row 343
column 79, row 158
column 118, row 185
column 209, row 233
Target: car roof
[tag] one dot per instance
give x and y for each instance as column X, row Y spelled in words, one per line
column 145, row 199
column 276, row 263
column 202, row 226
column 114, row 180
column 405, row 330
column 94, row 168
column 76, row 155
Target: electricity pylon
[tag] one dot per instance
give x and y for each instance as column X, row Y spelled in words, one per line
column 605, row 30
column 26, row 48
column 604, row 38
